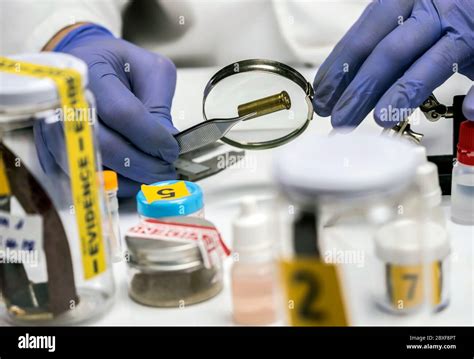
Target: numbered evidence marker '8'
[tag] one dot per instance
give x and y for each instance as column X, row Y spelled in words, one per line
column 80, row 154
column 313, row 288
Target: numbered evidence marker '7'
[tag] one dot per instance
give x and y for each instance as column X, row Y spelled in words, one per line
column 313, row 288
column 405, row 284
column 80, row 154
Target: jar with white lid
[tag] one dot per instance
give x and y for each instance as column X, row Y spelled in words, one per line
column 337, row 194
column 64, row 273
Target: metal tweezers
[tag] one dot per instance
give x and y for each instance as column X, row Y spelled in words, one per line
column 207, row 132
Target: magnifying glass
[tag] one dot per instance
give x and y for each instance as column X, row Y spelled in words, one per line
column 252, row 104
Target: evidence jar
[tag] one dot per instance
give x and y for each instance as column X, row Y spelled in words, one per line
column 175, row 255
column 337, row 194
column 170, row 199
column 175, row 263
column 55, row 262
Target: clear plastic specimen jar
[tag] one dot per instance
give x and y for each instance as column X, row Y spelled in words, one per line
column 175, row 263
column 343, row 199
column 55, row 261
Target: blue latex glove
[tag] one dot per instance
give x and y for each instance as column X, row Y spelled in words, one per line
column 133, row 89
column 393, row 58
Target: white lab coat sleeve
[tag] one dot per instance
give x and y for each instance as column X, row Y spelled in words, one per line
column 27, row 25
column 312, row 28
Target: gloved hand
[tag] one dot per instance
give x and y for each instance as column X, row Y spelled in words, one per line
column 133, row 89
column 393, row 58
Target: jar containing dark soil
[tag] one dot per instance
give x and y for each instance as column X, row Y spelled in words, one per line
column 170, row 274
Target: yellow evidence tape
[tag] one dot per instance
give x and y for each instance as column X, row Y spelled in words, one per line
column 80, row 152
column 4, row 184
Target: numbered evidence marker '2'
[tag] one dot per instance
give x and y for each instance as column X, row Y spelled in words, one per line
column 314, row 294
column 80, row 153
column 313, row 288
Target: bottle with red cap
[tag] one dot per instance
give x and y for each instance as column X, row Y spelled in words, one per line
column 462, row 192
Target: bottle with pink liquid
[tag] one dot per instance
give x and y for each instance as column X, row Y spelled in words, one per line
column 254, row 290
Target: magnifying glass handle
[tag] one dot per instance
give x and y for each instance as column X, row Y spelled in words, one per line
column 207, row 132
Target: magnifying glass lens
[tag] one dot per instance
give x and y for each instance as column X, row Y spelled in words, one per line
column 279, row 104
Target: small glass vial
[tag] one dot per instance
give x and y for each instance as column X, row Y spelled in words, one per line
column 170, row 199
column 462, row 192
column 111, row 188
column 254, row 290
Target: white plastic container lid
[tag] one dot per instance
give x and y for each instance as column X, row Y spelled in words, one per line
column 405, row 242
column 428, row 182
column 251, row 232
column 427, row 179
column 345, row 165
column 420, row 152
column 20, row 91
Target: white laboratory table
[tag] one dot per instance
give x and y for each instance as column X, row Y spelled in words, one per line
column 223, row 191
column 252, row 176
column 222, row 194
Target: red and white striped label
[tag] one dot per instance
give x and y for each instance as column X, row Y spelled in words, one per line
column 207, row 237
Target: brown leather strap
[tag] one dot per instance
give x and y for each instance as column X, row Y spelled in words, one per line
column 34, row 200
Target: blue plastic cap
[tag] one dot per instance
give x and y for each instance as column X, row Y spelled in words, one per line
column 173, row 207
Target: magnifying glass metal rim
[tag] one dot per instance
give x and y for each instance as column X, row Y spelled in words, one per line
column 269, row 66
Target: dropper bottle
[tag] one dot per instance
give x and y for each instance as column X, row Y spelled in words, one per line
column 462, row 191
column 427, row 181
column 254, row 291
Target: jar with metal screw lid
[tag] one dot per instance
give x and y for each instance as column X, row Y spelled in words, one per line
column 169, row 266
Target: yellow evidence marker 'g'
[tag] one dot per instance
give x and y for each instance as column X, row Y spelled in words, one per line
column 313, row 292
column 81, row 159
column 165, row 192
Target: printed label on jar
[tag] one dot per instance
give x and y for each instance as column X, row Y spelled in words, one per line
column 21, row 238
column 206, row 236
column 406, row 288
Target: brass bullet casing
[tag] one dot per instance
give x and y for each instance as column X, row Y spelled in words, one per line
column 266, row 105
